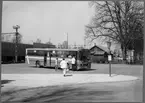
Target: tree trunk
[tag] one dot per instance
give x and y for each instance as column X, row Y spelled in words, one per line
column 124, row 52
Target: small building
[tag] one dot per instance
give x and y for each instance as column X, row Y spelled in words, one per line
column 42, row 45
column 99, row 54
column 8, row 51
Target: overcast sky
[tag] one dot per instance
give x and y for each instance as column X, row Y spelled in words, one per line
column 47, row 19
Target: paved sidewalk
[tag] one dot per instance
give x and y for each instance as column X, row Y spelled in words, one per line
column 40, row 80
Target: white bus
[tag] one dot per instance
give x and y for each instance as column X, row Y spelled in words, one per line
column 45, row 57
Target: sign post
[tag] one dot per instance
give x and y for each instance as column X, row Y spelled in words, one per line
column 109, row 57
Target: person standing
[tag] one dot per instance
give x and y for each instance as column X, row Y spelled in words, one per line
column 56, row 64
column 69, row 62
column 63, row 65
column 73, row 62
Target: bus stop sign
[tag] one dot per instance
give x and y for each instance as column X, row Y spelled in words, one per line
column 109, row 57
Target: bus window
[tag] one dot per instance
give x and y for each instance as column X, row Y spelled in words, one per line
column 35, row 53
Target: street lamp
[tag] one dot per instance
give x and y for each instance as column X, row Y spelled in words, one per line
column 16, row 42
column 109, row 57
column 67, row 40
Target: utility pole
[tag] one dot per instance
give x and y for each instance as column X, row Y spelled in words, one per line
column 16, row 43
column 109, row 57
column 84, row 42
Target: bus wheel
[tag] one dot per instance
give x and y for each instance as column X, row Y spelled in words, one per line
column 89, row 67
column 37, row 63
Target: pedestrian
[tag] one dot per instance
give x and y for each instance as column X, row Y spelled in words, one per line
column 63, row 65
column 56, row 64
column 73, row 62
column 69, row 62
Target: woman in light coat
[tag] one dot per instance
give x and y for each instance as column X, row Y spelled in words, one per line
column 63, row 65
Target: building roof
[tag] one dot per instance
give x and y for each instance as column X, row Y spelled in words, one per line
column 105, row 49
column 42, row 45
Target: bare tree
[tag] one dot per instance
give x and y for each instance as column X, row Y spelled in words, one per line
column 59, row 45
column 38, row 41
column 49, row 43
column 119, row 21
column 65, row 45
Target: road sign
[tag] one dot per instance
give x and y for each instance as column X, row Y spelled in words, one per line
column 109, row 57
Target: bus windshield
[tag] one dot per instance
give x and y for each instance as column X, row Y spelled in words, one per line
column 84, row 55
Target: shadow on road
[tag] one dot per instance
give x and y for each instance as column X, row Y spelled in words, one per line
column 44, row 67
column 68, row 94
column 83, row 69
column 68, row 75
column 5, row 82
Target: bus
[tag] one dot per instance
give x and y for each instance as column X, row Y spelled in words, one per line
column 45, row 57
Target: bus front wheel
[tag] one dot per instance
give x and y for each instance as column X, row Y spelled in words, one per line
column 37, row 63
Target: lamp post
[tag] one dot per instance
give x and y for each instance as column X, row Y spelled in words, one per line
column 109, row 57
column 67, row 40
column 16, row 42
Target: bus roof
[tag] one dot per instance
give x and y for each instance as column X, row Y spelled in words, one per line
column 51, row 49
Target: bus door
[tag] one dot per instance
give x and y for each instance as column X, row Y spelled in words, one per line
column 52, row 57
column 49, row 58
column 76, row 57
column 75, row 54
column 45, row 58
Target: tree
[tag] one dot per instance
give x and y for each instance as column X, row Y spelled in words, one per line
column 65, row 45
column 38, row 41
column 119, row 21
column 59, row 45
column 49, row 43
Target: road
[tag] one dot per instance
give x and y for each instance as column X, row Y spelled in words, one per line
column 134, row 70
column 130, row 91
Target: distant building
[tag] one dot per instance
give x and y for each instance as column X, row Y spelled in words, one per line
column 8, row 50
column 41, row 45
column 99, row 53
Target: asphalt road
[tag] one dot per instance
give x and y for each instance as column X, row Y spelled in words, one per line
column 130, row 91
column 134, row 70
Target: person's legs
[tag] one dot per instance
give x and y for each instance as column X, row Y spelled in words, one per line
column 70, row 66
column 56, row 67
column 73, row 67
column 64, row 71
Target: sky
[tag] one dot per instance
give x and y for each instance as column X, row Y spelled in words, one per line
column 47, row 20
